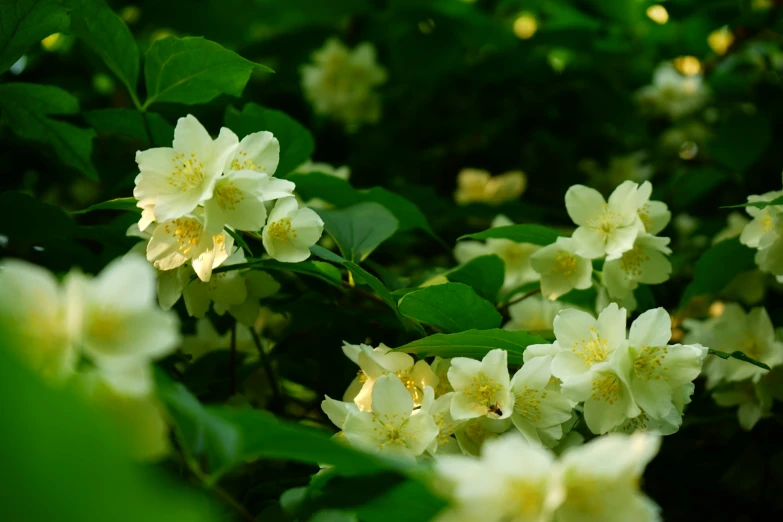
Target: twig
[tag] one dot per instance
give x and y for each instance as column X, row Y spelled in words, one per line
column 504, row 307
column 232, row 359
column 363, row 292
column 277, row 395
column 224, row 495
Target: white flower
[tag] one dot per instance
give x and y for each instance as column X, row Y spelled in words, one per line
column 532, row 314
column 338, row 411
column 391, row 428
column 511, row 481
column 440, row 411
column 341, row 83
column 225, row 289
column 760, row 232
column 644, row 263
column 753, row 398
column 606, row 228
column 516, row 256
column 751, row 333
column 673, row 94
column 654, row 215
column 537, row 405
column 291, row 231
column 653, row 369
column 34, row 317
column 478, row 186
column 120, row 325
column 173, row 181
column 770, row 257
column 600, row 480
column 207, row 340
column 375, row 362
column 666, row 425
column 561, row 268
column 472, row 434
column 735, row 226
column 309, row 167
column 482, row 388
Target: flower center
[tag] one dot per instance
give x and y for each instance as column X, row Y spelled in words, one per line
column 605, row 222
column 766, row 222
column 187, row 232
column 106, row 326
column 751, row 347
column 279, row 230
column 228, row 195
column 606, row 388
column 526, row 499
column 483, row 390
column 644, row 215
column 648, row 363
column 592, row 350
column 389, row 430
column 241, row 162
column 528, row 403
column 187, row 173
column 631, row 262
column 445, row 429
column 410, row 385
column 565, row 264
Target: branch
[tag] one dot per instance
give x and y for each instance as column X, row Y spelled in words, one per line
column 504, row 307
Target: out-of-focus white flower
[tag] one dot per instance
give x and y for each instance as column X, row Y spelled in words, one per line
column 606, row 228
column 482, row 388
column 173, row 181
column 600, row 480
column 291, row 231
column 561, row 268
column 644, row 263
column 338, row 411
column 478, row 186
column 225, row 289
column 538, row 406
column 343, row 172
column 207, row 340
column 472, row 434
column 534, row 313
column 34, row 316
column 511, row 481
column 673, row 94
column 391, row 428
column 341, row 83
column 516, row 256
column 753, row 398
column 735, row 226
column 751, row 333
column 119, row 324
column 760, row 232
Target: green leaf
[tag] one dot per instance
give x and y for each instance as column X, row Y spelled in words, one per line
column 239, row 240
column 536, row 234
column 485, row 274
column 224, row 438
column 193, row 70
column 69, row 463
column 106, row 34
column 740, row 140
column 717, row 267
column 130, row 124
column 24, row 218
column 474, row 344
column 296, row 142
column 26, row 22
column 323, row 271
column 26, row 107
column 738, row 355
column 127, row 204
column 452, row 307
column 759, row 204
column 364, row 277
column 689, row 186
column 359, row 229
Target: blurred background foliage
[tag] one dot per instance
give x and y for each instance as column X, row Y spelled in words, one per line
column 547, row 87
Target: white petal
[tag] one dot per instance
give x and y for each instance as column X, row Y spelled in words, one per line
column 127, row 283
column 191, row 137
column 652, row 328
column 391, row 400
column 582, row 203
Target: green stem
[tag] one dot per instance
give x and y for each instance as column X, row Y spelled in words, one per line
column 277, row 395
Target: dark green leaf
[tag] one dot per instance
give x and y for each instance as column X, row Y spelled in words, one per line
column 127, row 204
column 24, row 23
column 359, row 229
column 689, row 186
column 759, row 204
column 239, row 240
column 130, row 124
column 485, row 274
column 738, row 355
column 106, row 34
column 323, row 271
column 25, row 218
column 193, row 70
column 536, row 234
column 452, row 307
column 474, row 344
column 296, row 142
column 717, row 267
column 26, row 107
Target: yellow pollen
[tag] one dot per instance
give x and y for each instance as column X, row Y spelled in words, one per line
column 483, row 390
column 605, row 222
column 388, row 430
column 228, row 195
column 279, row 230
column 766, row 222
column 565, row 264
column 644, row 215
column 445, row 429
column 751, row 347
column 410, row 385
column 528, row 403
column 526, row 498
column 592, row 350
column 187, row 173
column 631, row 262
column 186, row 231
column 648, row 363
column 606, row 388
column 241, row 162
column 106, row 326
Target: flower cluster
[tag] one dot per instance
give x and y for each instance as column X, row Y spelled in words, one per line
column 673, row 94
column 621, row 231
column 515, row 480
column 478, row 186
column 195, row 194
column 734, row 382
column 99, row 334
column 630, row 382
column 765, row 233
column 341, row 83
